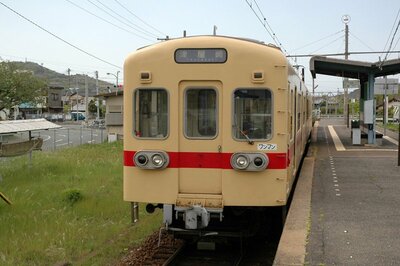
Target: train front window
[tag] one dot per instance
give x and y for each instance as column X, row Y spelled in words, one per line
column 252, row 118
column 201, row 113
column 151, row 113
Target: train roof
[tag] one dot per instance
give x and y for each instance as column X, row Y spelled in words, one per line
column 216, row 36
column 182, row 41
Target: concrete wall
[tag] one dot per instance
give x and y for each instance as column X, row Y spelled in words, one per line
column 114, row 115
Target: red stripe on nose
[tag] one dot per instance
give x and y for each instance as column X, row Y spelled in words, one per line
column 210, row 160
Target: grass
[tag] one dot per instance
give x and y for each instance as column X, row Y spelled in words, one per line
column 391, row 126
column 68, row 208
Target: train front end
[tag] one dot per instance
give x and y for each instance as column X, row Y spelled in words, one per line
column 205, row 130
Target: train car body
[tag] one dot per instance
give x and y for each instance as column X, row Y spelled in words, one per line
column 212, row 124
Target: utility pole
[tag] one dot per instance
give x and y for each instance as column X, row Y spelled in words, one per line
column 116, row 76
column 346, row 20
column 77, row 103
column 69, row 77
column 97, row 93
column 326, row 105
column 69, row 88
column 86, row 100
column 385, row 107
column 337, row 102
column 77, row 97
column 346, row 39
column 313, row 88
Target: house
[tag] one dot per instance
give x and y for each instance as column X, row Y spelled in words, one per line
column 29, row 111
column 77, row 103
column 72, row 99
column 114, row 113
column 54, row 100
column 51, row 106
column 4, row 114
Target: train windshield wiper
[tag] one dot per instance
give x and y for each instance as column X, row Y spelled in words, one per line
column 244, row 135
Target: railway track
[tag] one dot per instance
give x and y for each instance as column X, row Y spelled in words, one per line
column 253, row 251
column 168, row 251
column 158, row 249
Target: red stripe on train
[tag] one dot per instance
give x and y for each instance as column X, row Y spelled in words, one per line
column 211, row 160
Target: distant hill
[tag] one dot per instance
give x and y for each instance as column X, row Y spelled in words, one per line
column 55, row 79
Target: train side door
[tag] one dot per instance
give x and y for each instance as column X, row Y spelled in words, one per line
column 296, row 119
column 200, row 137
column 292, row 126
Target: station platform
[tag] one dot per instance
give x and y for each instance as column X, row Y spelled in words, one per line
column 349, row 198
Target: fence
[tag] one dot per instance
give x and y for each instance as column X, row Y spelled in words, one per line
column 68, row 136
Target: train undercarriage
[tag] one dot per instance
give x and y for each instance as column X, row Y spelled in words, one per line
column 197, row 221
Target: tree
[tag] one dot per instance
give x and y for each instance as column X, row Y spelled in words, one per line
column 93, row 108
column 18, row 86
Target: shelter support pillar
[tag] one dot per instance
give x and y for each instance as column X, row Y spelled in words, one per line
column 367, row 107
column 371, row 110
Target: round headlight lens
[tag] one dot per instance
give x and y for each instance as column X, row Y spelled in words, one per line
column 142, row 159
column 157, row 160
column 242, row 162
column 258, row 161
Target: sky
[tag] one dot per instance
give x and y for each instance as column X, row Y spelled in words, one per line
column 111, row 29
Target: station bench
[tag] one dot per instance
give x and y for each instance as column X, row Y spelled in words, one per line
column 378, row 138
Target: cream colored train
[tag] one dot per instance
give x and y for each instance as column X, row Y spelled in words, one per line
column 214, row 131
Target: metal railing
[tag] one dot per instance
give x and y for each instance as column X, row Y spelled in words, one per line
column 67, row 136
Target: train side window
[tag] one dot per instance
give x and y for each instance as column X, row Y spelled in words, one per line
column 201, row 113
column 252, row 117
column 298, row 112
column 151, row 113
column 292, row 113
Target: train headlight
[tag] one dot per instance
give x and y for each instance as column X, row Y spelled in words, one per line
column 151, row 159
column 142, row 159
column 258, row 161
column 249, row 161
column 240, row 161
column 261, row 161
column 157, row 160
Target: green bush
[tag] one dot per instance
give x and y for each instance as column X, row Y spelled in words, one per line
column 72, row 196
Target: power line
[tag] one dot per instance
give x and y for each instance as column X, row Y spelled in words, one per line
column 103, row 19
column 264, row 22
column 366, row 45
column 326, row 45
column 59, row 38
column 144, row 31
column 144, row 22
column 341, row 47
column 396, row 42
column 51, row 63
column 394, row 24
column 311, row 43
column 339, row 54
column 391, row 42
column 116, row 18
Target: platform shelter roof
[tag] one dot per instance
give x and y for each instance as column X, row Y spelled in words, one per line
column 15, row 126
column 352, row 69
